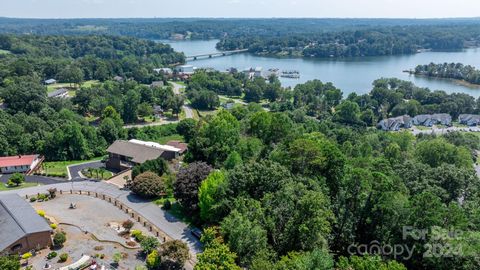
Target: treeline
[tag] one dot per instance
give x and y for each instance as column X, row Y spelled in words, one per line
column 294, row 192
column 80, row 58
column 373, row 41
column 204, row 87
column 388, row 97
column 196, row 28
column 130, row 99
column 30, row 122
column 457, row 71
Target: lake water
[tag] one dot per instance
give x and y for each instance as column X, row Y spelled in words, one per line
column 349, row 74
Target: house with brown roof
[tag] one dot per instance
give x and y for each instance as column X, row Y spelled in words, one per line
column 21, row 228
column 123, row 155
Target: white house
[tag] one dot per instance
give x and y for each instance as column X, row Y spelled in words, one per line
column 21, row 164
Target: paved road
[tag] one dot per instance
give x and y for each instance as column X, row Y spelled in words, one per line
column 439, row 131
column 176, row 90
column 163, row 220
column 75, row 170
column 35, row 179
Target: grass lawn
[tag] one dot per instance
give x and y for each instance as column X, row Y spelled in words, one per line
column 71, row 92
column 175, row 137
column 423, row 128
column 3, row 187
column 180, row 83
column 55, row 86
column 59, row 168
column 457, row 124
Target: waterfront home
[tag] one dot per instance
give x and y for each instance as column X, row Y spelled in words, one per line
column 469, row 119
column 395, row 123
column 429, row 120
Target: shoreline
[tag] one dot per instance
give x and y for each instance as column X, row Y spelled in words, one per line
column 456, row 81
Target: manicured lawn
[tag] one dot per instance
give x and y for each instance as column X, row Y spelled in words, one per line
column 71, row 92
column 3, row 187
column 59, row 168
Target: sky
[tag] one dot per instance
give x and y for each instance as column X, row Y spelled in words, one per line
column 239, row 8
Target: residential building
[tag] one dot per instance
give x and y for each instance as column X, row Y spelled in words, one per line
column 58, row 93
column 21, row 228
column 50, row 81
column 179, row 145
column 157, row 84
column 395, row 123
column 185, row 69
column 118, row 79
column 165, row 71
column 258, row 71
column 123, row 155
column 429, row 120
column 469, row 119
column 20, row 164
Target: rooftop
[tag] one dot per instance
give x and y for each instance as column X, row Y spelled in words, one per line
column 58, row 92
column 138, row 152
column 17, row 160
column 18, row 220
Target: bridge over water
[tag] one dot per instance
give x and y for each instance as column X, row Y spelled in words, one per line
column 214, row 54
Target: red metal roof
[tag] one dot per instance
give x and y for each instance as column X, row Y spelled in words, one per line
column 180, row 145
column 17, row 160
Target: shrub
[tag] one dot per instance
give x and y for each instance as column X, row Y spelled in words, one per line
column 63, row 257
column 167, row 205
column 174, row 253
column 131, row 243
column 98, row 248
column 53, row 226
column 137, row 234
column 153, row 260
column 41, row 213
column 147, row 185
column 117, row 257
column 16, row 179
column 128, row 225
column 59, row 239
column 149, row 244
column 32, row 199
column 51, row 255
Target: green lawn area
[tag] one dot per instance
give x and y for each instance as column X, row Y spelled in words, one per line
column 59, row 168
column 71, row 92
column 457, row 124
column 181, row 83
column 175, row 137
column 3, row 187
column 423, row 128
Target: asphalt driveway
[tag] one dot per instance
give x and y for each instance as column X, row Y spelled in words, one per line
column 75, row 170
